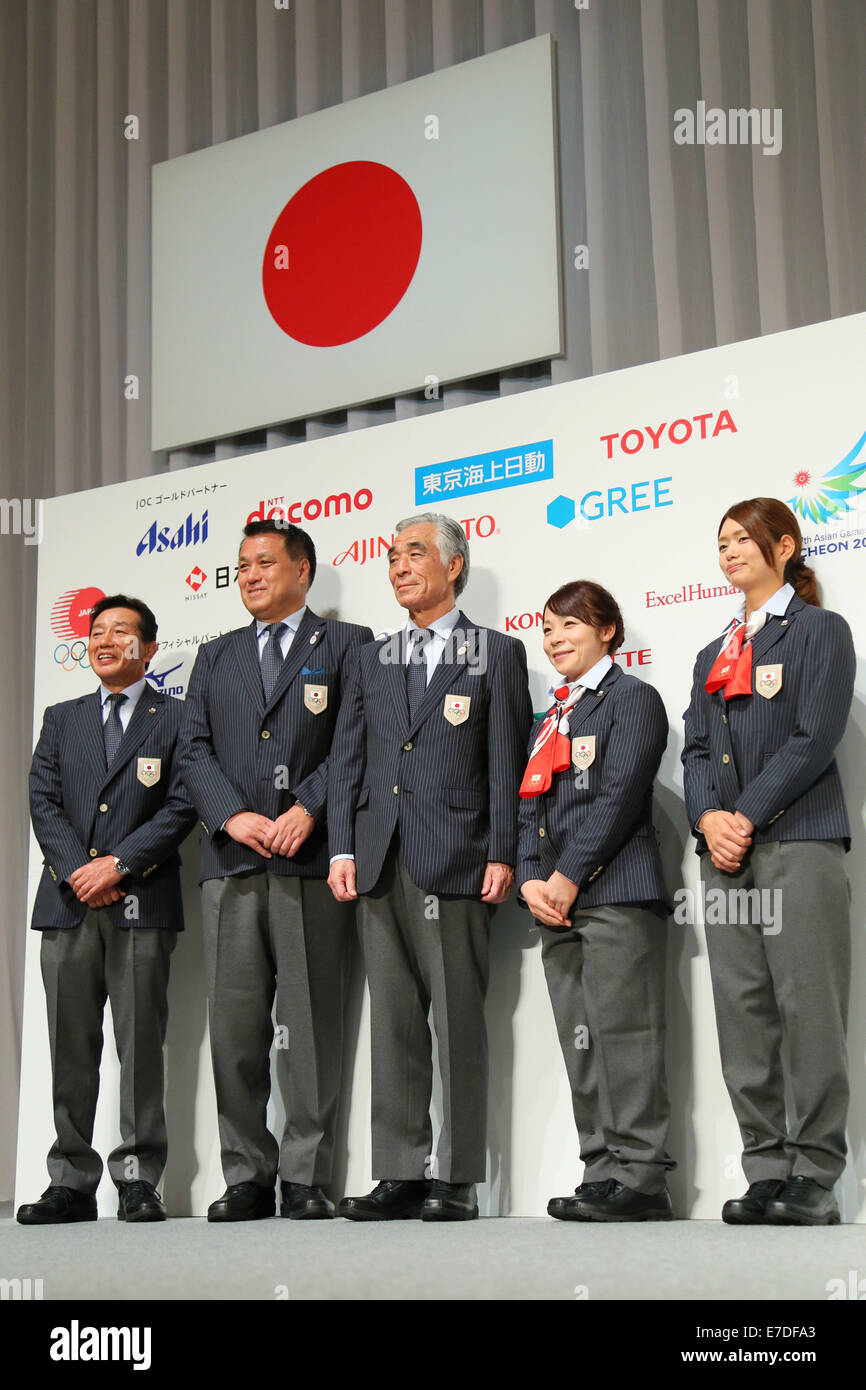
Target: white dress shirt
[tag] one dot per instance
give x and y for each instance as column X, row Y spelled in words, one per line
column 590, row 680
column 287, row 636
column 133, row 694
column 441, row 629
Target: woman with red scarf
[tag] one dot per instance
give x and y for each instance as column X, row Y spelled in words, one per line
column 590, row 872
column 770, row 701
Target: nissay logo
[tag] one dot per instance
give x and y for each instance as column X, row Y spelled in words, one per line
column 159, row 538
column 333, row 505
column 371, row 547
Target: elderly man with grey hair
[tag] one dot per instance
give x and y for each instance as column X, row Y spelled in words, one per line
column 423, row 783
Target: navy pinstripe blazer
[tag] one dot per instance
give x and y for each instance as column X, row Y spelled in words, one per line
column 240, row 752
column 597, row 828
column 79, row 810
column 450, row 789
column 772, row 759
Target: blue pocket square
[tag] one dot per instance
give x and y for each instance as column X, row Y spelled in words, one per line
column 315, row 671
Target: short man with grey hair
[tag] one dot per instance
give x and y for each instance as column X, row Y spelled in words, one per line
column 422, row 807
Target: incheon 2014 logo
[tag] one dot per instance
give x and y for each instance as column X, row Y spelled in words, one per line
column 837, row 495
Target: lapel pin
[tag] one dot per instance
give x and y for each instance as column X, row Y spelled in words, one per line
column 152, row 709
column 315, row 637
column 784, row 622
column 461, row 651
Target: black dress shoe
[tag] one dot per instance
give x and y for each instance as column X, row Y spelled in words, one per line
column 389, row 1201
column 803, row 1202
column 243, row 1201
column 58, row 1206
column 302, row 1203
column 139, row 1201
column 565, row 1208
column 450, row 1201
column 616, row 1202
column 751, row 1208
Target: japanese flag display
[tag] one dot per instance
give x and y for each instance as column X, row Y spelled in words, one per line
column 385, row 245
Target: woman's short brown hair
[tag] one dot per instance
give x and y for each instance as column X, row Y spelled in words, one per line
column 591, row 604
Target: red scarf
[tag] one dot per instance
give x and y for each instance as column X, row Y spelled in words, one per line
column 551, row 751
column 732, row 667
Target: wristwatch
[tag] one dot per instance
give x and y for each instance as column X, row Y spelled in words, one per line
column 120, row 867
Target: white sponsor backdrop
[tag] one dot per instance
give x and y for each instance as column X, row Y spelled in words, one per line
column 794, row 406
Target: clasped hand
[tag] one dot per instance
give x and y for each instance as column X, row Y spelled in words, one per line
column 283, row 836
column 551, row 901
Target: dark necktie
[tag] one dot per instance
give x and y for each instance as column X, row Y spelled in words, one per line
column 272, row 659
column 112, row 729
column 416, row 669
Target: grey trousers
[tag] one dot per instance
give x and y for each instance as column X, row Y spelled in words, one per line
column 606, row 980
column 81, row 968
column 265, row 937
column 421, row 949
column 781, row 1000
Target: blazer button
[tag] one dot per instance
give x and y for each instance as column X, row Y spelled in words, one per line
column 93, row 853
column 104, row 806
column 407, row 748
column 725, row 758
column 396, row 789
column 266, row 733
column 542, row 832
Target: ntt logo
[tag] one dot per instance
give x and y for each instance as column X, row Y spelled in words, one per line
column 277, row 509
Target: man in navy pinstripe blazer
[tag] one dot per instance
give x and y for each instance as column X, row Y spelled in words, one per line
column 423, row 782
column 260, row 713
column 109, row 811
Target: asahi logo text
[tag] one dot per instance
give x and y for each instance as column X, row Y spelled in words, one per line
column 158, row 538
column 371, row 547
column 678, row 431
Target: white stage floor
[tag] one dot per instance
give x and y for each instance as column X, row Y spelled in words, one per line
column 487, row 1259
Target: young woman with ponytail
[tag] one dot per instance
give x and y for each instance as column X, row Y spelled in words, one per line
column 769, row 704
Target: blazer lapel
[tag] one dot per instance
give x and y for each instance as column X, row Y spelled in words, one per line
column 311, row 626
column 448, row 667
column 774, row 630
column 591, row 699
column 392, row 659
column 88, row 713
column 145, row 717
column 247, row 653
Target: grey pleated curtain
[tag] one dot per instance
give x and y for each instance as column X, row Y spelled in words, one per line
column 689, row 246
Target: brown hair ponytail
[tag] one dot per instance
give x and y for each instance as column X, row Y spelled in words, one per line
column 767, row 520
column 804, row 580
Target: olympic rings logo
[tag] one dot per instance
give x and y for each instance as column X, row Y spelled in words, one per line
column 69, row 655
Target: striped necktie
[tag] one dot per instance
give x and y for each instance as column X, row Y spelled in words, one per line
column 416, row 669
column 272, row 659
column 112, row 729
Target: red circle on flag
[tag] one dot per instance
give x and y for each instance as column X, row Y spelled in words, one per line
column 342, row 253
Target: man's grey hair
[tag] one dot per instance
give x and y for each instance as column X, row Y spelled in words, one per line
column 451, row 541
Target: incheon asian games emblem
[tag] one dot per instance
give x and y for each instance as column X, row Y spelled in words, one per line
column 834, row 494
